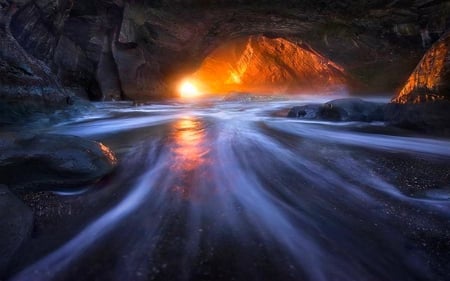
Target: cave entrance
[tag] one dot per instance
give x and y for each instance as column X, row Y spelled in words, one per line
column 262, row 65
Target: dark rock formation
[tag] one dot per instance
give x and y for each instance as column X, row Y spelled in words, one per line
column 52, row 161
column 428, row 117
column 140, row 49
column 430, row 81
column 350, row 109
column 23, row 78
column 74, row 39
column 16, row 222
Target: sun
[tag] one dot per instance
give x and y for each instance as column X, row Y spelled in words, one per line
column 188, row 89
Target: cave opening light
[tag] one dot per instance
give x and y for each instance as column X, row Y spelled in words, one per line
column 189, row 89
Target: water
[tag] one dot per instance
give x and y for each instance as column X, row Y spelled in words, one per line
column 227, row 191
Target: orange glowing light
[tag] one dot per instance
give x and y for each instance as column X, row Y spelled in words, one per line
column 190, row 156
column 188, row 89
column 258, row 64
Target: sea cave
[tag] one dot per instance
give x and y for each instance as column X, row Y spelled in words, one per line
column 224, row 140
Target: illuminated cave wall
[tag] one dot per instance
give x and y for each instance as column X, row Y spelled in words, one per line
column 430, row 80
column 258, row 64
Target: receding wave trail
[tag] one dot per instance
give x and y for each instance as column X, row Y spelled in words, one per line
column 226, row 192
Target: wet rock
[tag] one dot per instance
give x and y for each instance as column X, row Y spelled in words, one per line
column 428, row 117
column 350, row 109
column 309, row 111
column 430, row 80
column 16, row 222
column 52, row 162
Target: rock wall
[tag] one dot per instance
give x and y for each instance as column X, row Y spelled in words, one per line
column 138, row 49
column 22, row 74
column 430, row 80
column 69, row 37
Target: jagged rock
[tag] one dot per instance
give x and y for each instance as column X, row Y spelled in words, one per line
column 52, row 161
column 16, row 222
column 68, row 36
column 430, row 81
column 350, row 109
column 25, row 82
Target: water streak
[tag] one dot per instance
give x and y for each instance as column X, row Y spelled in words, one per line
column 227, row 192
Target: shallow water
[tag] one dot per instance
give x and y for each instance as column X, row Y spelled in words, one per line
column 226, row 191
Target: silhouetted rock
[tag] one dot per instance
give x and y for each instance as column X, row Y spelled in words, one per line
column 16, row 222
column 428, row 117
column 350, row 109
column 52, row 161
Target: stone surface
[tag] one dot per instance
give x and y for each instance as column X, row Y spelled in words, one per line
column 430, row 80
column 427, row 117
column 52, row 162
column 16, row 223
column 26, row 83
column 350, row 109
column 145, row 47
column 69, row 37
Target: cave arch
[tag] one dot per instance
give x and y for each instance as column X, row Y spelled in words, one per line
column 172, row 42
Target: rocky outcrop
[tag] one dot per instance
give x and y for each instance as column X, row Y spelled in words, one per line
column 16, row 223
column 430, row 81
column 428, row 117
column 69, row 37
column 349, row 109
column 424, row 101
column 52, row 162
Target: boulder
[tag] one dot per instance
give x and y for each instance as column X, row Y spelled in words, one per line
column 52, row 162
column 16, row 222
column 349, row 109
